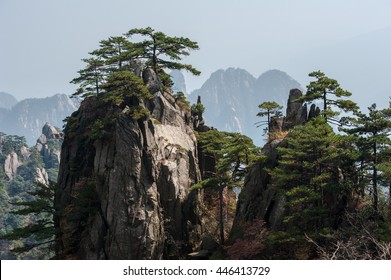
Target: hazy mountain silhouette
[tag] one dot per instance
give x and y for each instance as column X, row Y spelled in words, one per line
column 232, row 96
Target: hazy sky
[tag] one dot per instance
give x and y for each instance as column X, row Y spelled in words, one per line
column 42, row 41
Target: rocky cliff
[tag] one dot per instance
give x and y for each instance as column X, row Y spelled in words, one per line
column 258, row 201
column 125, row 194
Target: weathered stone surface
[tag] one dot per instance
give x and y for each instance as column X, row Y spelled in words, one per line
column 258, row 201
column 276, row 124
column 25, row 152
column 44, row 145
column 140, row 175
column 50, row 132
column 11, row 165
column 152, row 81
column 41, row 176
column 314, row 112
column 296, row 112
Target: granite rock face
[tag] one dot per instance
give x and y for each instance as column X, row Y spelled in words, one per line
column 258, row 201
column 296, row 111
column 11, row 165
column 127, row 194
column 49, row 146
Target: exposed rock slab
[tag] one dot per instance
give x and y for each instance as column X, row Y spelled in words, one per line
column 139, row 176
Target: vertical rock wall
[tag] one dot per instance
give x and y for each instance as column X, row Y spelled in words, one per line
column 126, row 195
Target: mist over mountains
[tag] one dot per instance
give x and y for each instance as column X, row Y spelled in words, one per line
column 232, row 96
column 362, row 65
column 27, row 117
column 7, row 101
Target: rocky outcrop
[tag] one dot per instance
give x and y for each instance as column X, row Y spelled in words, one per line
column 258, row 201
column 48, row 145
column 126, row 194
column 25, row 152
column 296, row 112
column 41, row 176
column 11, row 165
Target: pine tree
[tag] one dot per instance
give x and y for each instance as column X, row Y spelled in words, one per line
column 90, row 78
column 307, row 175
column 163, row 52
column 234, row 154
column 40, row 231
column 269, row 109
column 118, row 53
column 372, row 133
column 329, row 92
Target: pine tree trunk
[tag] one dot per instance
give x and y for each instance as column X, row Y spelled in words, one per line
column 221, row 210
column 374, row 178
column 325, row 105
column 389, row 195
column 268, row 124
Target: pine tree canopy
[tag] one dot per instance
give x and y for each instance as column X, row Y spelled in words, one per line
column 323, row 89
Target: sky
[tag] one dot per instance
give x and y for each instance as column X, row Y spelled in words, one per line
column 42, row 42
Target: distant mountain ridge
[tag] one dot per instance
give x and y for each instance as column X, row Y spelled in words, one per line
column 7, row 101
column 232, row 96
column 27, row 117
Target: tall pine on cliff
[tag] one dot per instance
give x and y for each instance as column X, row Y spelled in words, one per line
column 330, row 93
column 269, row 109
column 159, row 52
column 234, row 154
column 372, row 132
column 307, row 174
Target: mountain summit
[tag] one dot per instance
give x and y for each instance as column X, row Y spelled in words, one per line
column 7, row 100
column 232, row 96
column 28, row 116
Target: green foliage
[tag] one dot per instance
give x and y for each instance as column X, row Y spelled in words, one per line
column 90, row 78
column 371, row 136
column 308, row 176
column 122, row 86
column 269, row 109
column 119, row 54
column 70, row 125
column 97, row 131
column 38, row 232
column 23, row 206
column 323, row 88
column 180, row 99
column 138, row 112
column 11, row 143
column 163, row 52
column 197, row 109
column 234, row 155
